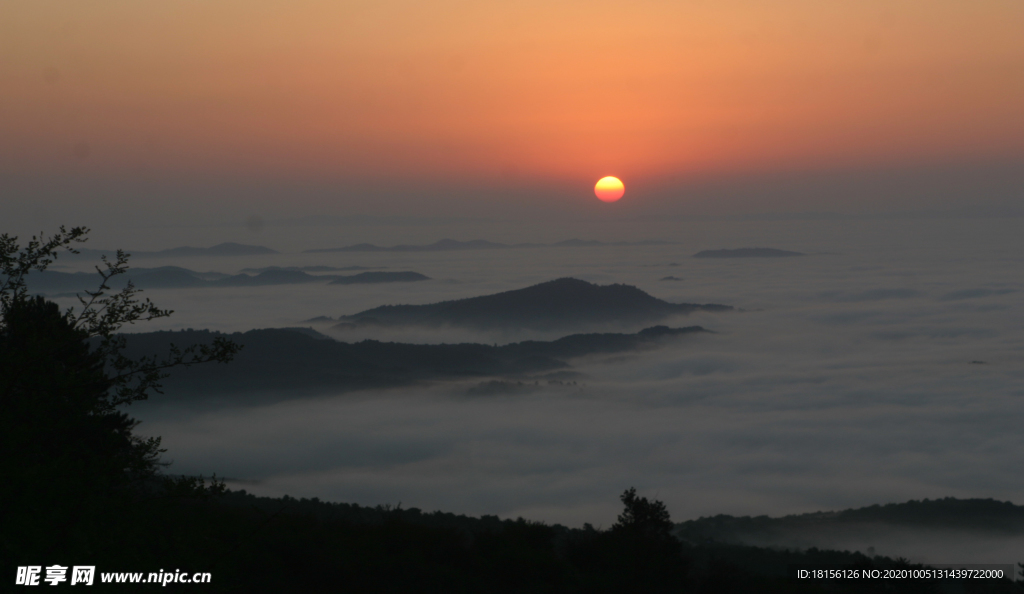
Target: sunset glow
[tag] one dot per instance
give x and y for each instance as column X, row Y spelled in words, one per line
column 471, row 89
column 483, row 93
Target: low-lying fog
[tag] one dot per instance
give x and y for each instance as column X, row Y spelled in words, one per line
column 884, row 366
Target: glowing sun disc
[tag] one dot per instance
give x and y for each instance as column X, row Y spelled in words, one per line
column 609, row 189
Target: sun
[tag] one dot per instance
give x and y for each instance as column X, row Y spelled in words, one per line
column 609, row 189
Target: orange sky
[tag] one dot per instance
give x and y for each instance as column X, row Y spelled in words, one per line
column 473, row 89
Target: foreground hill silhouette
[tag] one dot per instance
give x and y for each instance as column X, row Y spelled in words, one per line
column 262, row 544
column 294, row 362
column 561, row 303
column 391, row 549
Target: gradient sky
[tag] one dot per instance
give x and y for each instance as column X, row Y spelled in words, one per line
column 400, row 97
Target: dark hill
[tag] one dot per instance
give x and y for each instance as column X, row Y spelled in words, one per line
column 559, row 303
column 747, row 253
column 966, row 515
column 294, row 362
column 387, row 548
column 379, row 277
column 269, row 277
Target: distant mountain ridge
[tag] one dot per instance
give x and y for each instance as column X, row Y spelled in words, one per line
column 295, row 361
column 445, row 245
column 747, row 253
column 175, row 277
column 379, row 277
column 221, row 249
column 311, row 268
column 559, row 303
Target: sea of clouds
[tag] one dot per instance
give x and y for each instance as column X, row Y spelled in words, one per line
column 886, row 365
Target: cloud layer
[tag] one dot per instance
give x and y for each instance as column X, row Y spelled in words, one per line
column 887, row 370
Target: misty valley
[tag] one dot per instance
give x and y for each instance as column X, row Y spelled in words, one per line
column 480, row 418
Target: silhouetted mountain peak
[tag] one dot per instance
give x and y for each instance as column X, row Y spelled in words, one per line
column 558, row 303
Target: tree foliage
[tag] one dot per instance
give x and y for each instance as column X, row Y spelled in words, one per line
column 647, row 518
column 101, row 315
column 68, row 451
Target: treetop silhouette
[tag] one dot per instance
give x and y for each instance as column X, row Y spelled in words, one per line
column 68, row 453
